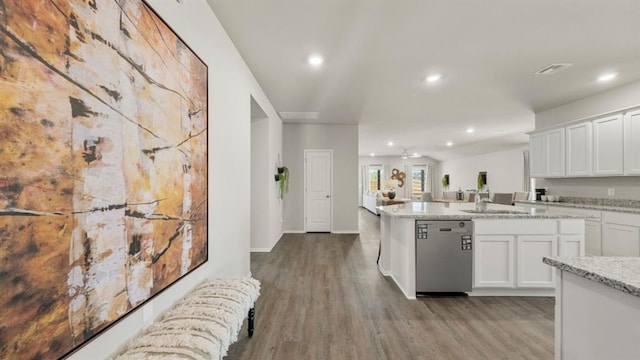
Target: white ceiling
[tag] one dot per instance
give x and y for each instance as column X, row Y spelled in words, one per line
column 377, row 53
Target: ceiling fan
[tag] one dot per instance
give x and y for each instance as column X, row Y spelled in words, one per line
column 405, row 155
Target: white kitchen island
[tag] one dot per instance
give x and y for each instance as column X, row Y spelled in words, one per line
column 507, row 248
column 597, row 312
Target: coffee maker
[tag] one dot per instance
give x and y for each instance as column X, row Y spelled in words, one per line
column 539, row 193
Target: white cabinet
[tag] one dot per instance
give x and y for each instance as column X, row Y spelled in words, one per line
column 555, row 153
column 508, row 253
column 547, row 154
column 571, row 245
column 578, row 153
column 494, row 261
column 620, row 240
column 608, row 140
column 620, row 234
column 538, row 155
column 593, row 237
column 532, row 272
column 632, row 143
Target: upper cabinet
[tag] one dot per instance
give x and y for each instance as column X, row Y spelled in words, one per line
column 632, row 143
column 579, row 155
column 555, row 153
column 547, row 154
column 608, row 145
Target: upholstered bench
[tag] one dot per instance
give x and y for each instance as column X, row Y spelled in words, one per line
column 201, row 325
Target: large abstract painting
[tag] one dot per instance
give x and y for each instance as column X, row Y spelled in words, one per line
column 103, row 168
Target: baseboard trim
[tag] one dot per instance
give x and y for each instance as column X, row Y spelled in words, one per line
column 409, row 297
column 260, row 250
column 346, row 232
column 383, row 271
column 294, row 232
column 513, row 292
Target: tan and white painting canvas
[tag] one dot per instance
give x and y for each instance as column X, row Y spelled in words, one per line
column 103, row 168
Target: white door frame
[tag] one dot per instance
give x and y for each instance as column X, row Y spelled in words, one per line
column 330, row 151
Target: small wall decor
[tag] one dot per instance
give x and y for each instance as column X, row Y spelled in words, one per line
column 103, row 168
column 399, row 176
column 482, row 180
column 283, row 177
column 445, row 181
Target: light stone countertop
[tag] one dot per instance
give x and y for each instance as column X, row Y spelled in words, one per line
column 454, row 211
column 620, row 273
column 583, row 206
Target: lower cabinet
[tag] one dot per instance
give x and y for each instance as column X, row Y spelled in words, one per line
column 620, row 234
column 593, row 237
column 494, row 257
column 571, row 245
column 507, row 256
column 532, row 272
column 621, row 240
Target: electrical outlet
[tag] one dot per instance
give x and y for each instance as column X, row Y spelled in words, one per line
column 611, row 192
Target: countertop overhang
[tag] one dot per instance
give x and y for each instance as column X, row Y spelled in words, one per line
column 620, row 273
column 456, row 211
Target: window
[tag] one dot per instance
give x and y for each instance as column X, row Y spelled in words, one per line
column 375, row 174
column 418, row 180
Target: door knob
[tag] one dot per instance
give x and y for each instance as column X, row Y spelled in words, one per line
column 328, row 196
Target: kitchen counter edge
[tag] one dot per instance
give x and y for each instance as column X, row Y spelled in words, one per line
column 608, row 271
column 582, row 206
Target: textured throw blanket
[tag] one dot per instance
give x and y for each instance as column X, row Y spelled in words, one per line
column 201, row 326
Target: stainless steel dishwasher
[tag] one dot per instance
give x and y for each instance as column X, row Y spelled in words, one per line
column 443, row 256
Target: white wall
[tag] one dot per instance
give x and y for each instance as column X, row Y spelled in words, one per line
column 266, row 205
column 343, row 140
column 394, row 162
column 623, row 97
column 504, row 171
column 260, row 184
column 231, row 85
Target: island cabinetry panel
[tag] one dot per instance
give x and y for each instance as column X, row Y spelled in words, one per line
column 571, row 238
column 579, row 155
column 515, row 226
column 509, row 253
column 620, row 234
column 532, row 272
column 632, row 143
column 592, row 224
column 494, row 258
column 608, row 140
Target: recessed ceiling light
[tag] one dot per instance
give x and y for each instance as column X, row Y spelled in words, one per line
column 433, row 78
column 316, row 60
column 390, row 143
column 607, row 77
column 449, row 143
column 470, row 130
column 372, row 154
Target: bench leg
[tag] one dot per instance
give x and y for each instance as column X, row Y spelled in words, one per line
column 252, row 315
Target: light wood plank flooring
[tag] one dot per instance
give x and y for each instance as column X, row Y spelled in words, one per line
column 324, row 298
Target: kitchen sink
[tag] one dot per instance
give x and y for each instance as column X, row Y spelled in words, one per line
column 493, row 211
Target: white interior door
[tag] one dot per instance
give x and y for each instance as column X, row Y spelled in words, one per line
column 318, row 168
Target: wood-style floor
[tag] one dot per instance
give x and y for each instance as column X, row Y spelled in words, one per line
column 323, row 297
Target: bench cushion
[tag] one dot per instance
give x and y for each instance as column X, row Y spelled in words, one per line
column 202, row 325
